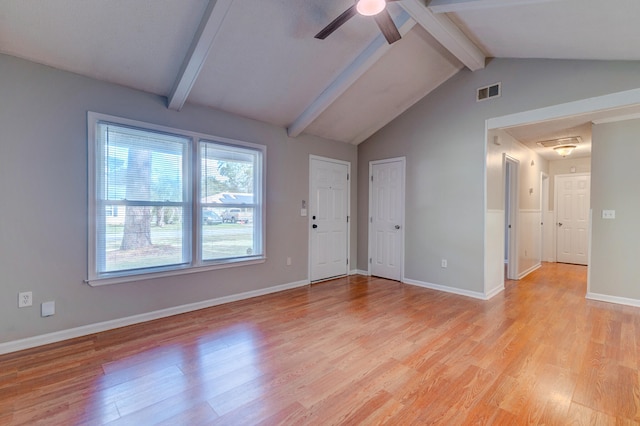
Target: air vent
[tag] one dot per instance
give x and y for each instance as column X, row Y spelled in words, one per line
column 573, row 140
column 488, row 92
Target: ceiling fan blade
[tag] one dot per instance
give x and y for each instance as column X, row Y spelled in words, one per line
column 336, row 23
column 388, row 28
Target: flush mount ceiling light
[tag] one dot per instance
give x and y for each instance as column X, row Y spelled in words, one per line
column 564, row 150
column 573, row 140
column 563, row 146
column 370, row 7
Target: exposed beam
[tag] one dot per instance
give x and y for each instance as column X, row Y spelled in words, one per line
column 447, row 34
column 445, row 6
column 198, row 51
column 365, row 60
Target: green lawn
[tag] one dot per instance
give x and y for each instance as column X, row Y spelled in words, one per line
column 218, row 242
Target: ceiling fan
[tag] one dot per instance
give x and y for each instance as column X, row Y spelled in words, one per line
column 375, row 8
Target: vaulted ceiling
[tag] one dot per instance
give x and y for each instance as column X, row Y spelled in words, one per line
column 259, row 58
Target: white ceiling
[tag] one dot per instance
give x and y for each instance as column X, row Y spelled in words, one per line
column 259, row 59
column 559, row 29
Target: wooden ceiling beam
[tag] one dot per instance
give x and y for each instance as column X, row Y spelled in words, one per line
column 447, row 33
column 208, row 29
column 365, row 60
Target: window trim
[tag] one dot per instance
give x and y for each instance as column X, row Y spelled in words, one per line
column 196, row 264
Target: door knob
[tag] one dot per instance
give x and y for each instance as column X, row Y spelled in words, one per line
column 314, row 226
column 559, row 223
column 397, row 226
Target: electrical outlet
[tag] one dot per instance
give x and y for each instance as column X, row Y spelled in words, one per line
column 288, row 261
column 25, row 299
column 443, row 263
column 608, row 214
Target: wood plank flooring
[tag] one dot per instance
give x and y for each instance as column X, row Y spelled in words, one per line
column 356, row 350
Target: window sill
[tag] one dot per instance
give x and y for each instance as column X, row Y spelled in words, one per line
column 96, row 282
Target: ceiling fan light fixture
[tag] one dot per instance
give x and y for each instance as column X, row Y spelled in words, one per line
column 564, row 150
column 370, row 7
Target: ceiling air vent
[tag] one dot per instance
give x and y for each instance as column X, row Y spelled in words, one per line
column 488, row 92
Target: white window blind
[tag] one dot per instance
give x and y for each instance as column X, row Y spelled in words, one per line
column 142, row 180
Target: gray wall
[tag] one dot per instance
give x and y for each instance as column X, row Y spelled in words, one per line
column 43, row 185
column 614, row 269
column 443, row 138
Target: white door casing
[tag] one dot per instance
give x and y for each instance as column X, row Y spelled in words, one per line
column 511, row 167
column 328, row 218
column 572, row 206
column 386, row 218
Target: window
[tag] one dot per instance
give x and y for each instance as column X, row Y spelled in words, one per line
column 227, row 187
column 166, row 201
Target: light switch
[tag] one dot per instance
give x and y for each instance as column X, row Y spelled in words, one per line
column 608, row 214
column 303, row 212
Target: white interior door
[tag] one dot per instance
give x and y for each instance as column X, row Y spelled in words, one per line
column 386, row 222
column 329, row 210
column 572, row 218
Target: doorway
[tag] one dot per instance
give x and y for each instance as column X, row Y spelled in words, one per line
column 328, row 218
column 386, row 218
column 627, row 100
column 511, row 166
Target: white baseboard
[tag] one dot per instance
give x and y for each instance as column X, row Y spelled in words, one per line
column 459, row 291
column 359, row 272
column 493, row 292
column 44, row 339
column 613, row 299
column 528, row 271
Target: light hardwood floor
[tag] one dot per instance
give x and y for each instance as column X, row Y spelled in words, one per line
column 355, row 350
